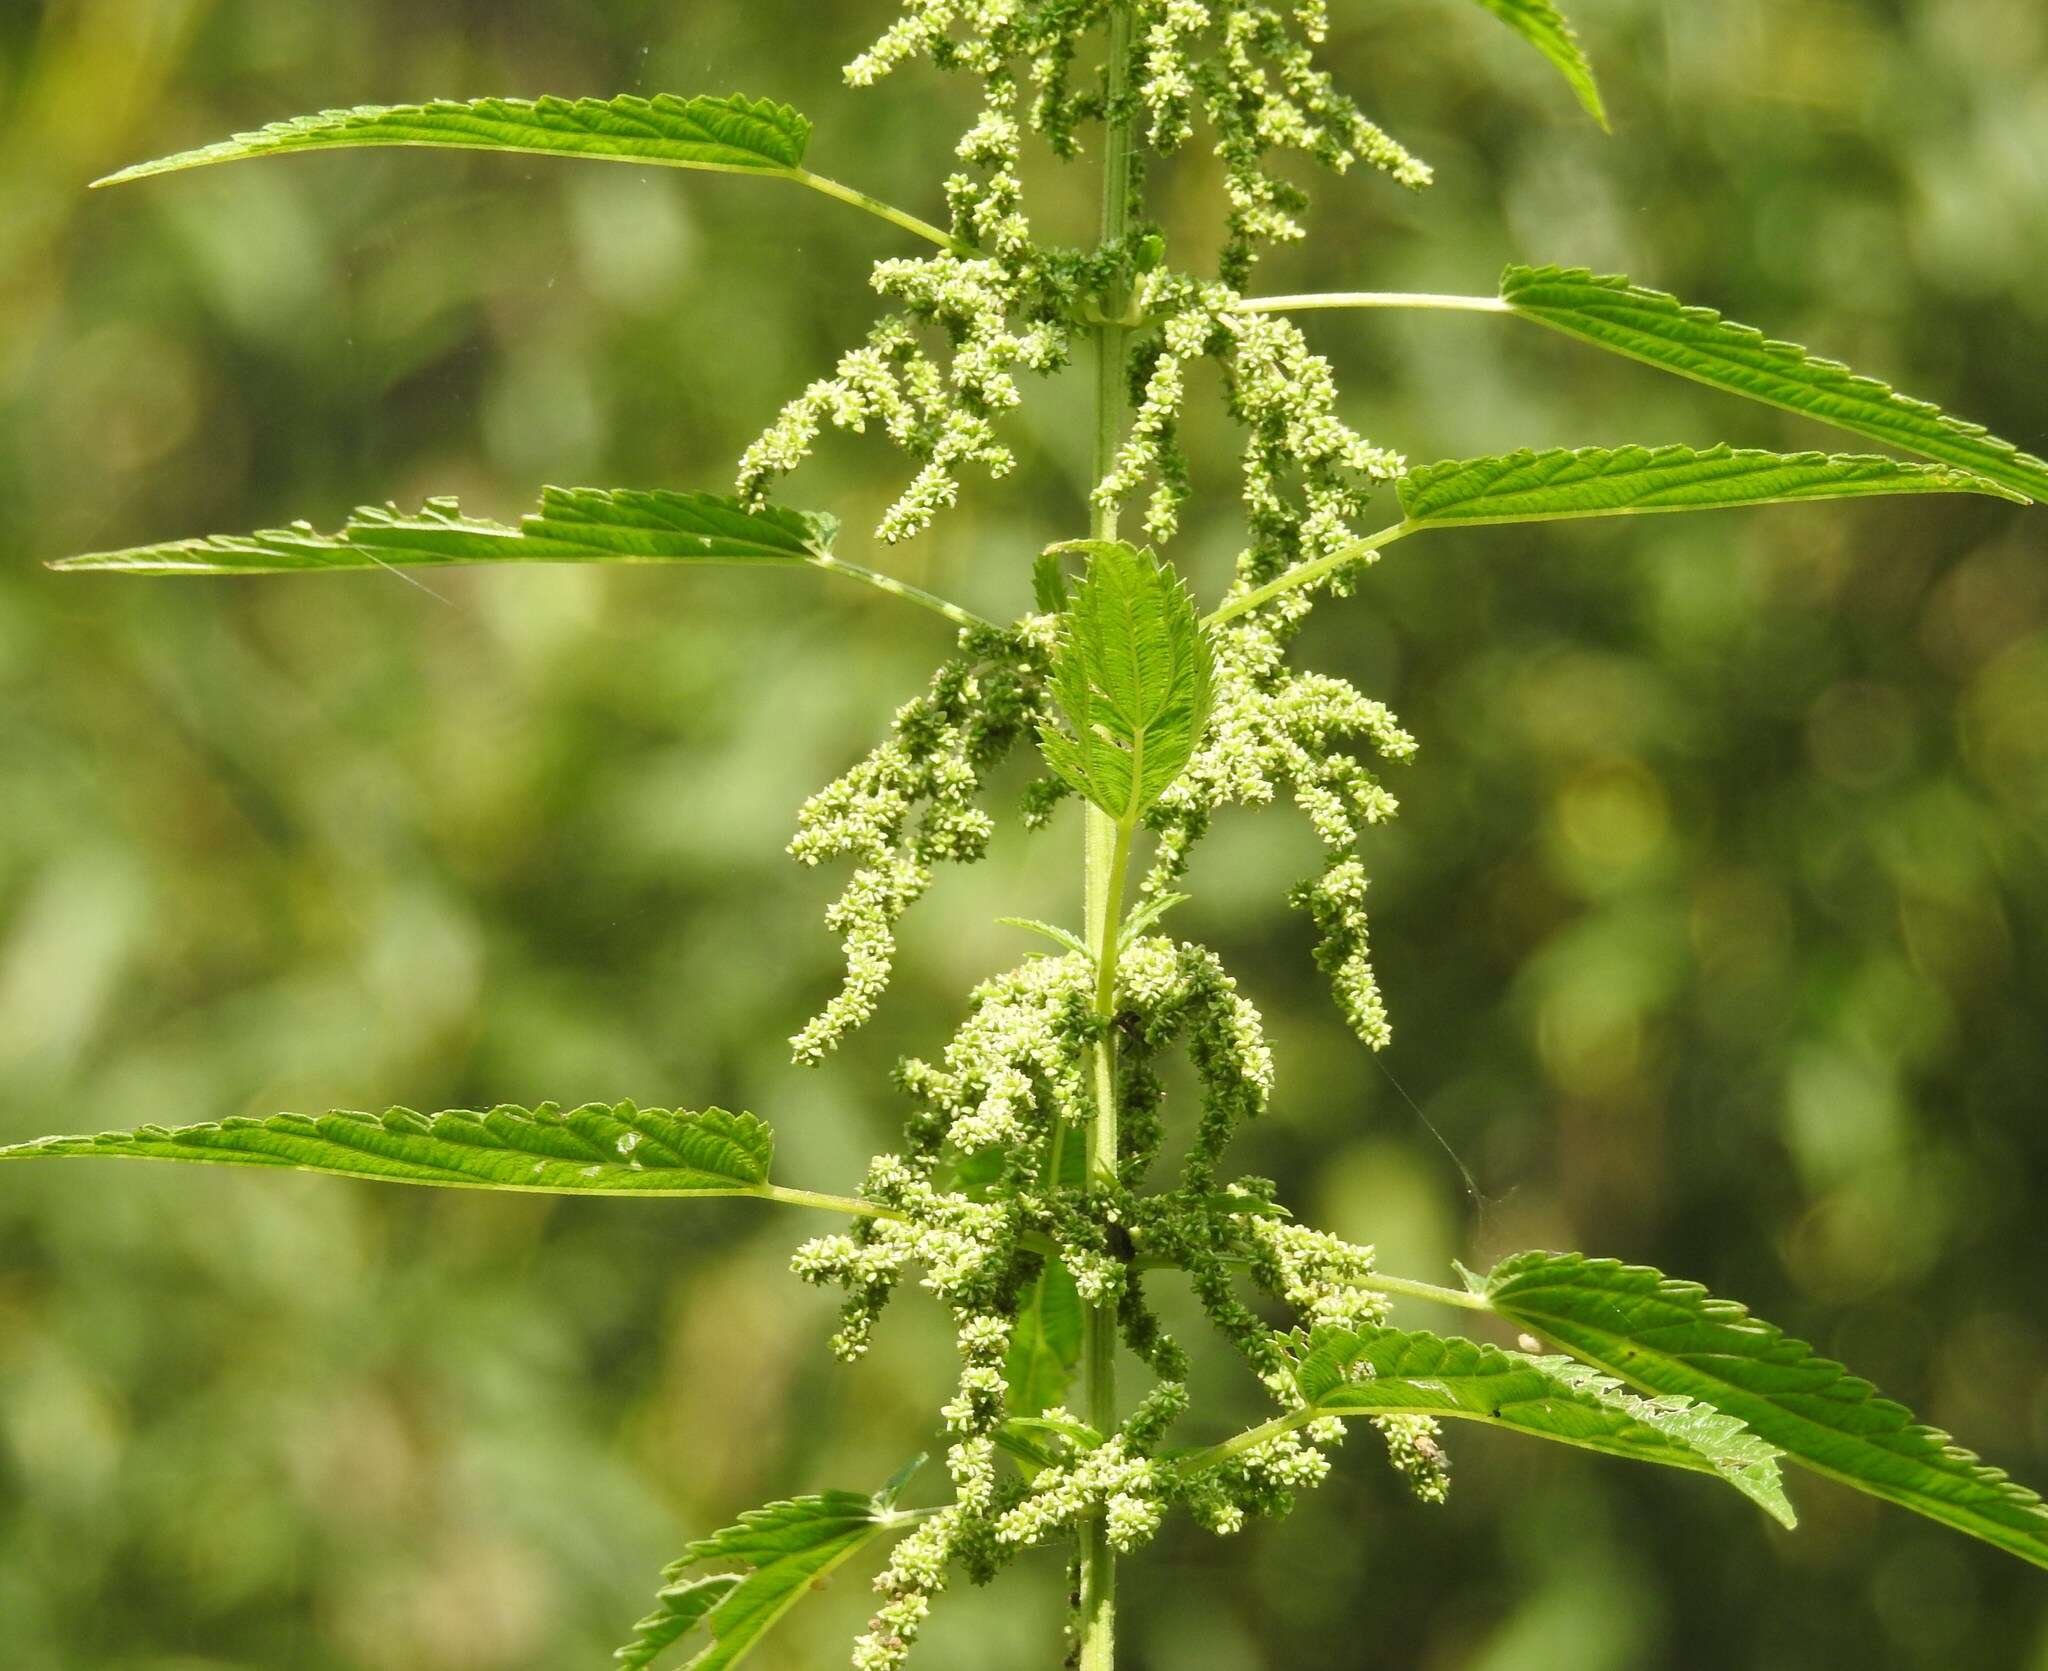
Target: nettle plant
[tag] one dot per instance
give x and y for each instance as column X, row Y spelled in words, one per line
column 1025, row 1196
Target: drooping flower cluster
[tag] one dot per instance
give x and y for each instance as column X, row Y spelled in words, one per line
column 1251, row 70
column 973, row 1261
column 1307, row 475
column 1105, row 1479
column 1178, row 994
column 987, row 1196
column 1014, row 1064
column 1001, row 303
column 916, row 1572
column 1335, row 901
column 1274, row 728
column 911, row 804
column 997, row 317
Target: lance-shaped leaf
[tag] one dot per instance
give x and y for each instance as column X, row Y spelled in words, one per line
column 573, row 525
column 1064, row 938
column 601, row 1148
column 1147, row 917
column 1543, row 26
column 1134, row 677
column 1674, row 1338
column 1698, row 343
column 783, row 1550
column 732, row 135
column 1599, row 481
column 1390, row 1372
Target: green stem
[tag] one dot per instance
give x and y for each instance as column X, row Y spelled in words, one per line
column 1104, row 844
column 1106, row 943
column 1306, row 574
column 875, row 206
column 853, row 1207
column 1106, row 849
column 901, row 589
column 1408, row 1288
column 1250, row 1439
column 1373, row 299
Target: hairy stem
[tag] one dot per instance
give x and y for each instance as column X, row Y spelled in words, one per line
column 1103, row 843
column 1106, row 848
column 901, row 589
column 847, row 1204
column 853, row 1207
column 1408, row 1288
column 1250, row 1439
column 1107, row 943
column 1307, row 574
column 875, row 206
column 1373, row 299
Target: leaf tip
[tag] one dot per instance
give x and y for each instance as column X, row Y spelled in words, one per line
column 141, row 171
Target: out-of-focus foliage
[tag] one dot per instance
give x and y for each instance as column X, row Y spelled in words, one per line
column 1713, row 926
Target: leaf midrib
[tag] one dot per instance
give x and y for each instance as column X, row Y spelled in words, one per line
column 441, row 1178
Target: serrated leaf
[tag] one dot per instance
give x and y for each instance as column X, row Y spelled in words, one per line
column 1134, row 677
column 680, row 1609
column 1033, row 1452
column 897, row 1483
column 1391, row 1372
column 573, row 525
column 1541, row 24
column 1074, row 1436
column 731, row 135
column 1598, row 481
column 600, row 1148
column 1147, row 916
column 1045, row 1343
column 1673, row 1337
column 1695, row 342
column 1064, row 938
column 784, row 1550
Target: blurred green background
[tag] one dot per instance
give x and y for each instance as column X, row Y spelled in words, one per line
column 1714, row 925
